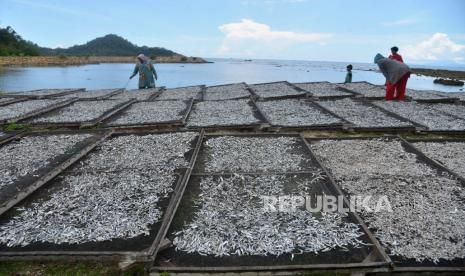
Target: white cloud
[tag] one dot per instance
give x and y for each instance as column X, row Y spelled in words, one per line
column 438, row 47
column 247, row 37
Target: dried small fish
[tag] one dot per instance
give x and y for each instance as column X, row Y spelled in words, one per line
column 231, row 220
column 89, row 94
column 18, row 109
column 218, row 113
column 276, row 89
column 24, row 157
column 164, row 151
column 362, row 115
column 252, row 154
column 181, row 93
column 151, row 112
column 323, row 89
column 138, row 94
column 113, row 193
column 427, row 221
column 453, row 109
column 227, row 92
column 425, row 95
column 366, row 89
column 451, row 154
column 92, row 207
column 423, row 114
column 81, row 111
column 296, row 113
column 42, row 92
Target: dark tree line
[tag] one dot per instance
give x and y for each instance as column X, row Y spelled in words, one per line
column 12, row 44
column 109, row 45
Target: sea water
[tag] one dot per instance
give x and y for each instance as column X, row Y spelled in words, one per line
column 221, row 71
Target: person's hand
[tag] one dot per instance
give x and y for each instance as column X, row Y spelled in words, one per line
column 131, row 77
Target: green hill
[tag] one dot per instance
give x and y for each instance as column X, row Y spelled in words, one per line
column 109, row 45
column 12, row 44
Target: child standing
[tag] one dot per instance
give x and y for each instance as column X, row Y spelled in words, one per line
column 349, row 74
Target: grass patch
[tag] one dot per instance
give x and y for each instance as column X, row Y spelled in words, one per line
column 62, row 268
column 13, row 126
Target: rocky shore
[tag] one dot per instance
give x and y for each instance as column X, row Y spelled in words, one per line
column 438, row 73
column 78, row 60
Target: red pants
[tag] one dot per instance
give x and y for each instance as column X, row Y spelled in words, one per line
column 399, row 88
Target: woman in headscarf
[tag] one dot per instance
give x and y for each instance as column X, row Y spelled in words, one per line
column 146, row 72
column 397, row 74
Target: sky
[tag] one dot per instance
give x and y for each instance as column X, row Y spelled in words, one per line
column 426, row 31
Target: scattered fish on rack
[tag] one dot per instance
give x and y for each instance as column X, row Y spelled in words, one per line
column 294, row 113
column 81, row 111
column 230, row 220
column 362, row 115
column 249, row 154
column 450, row 154
column 30, row 153
column 423, row 114
column 366, row 89
column 323, row 89
column 18, row 109
column 226, row 92
column 276, row 89
column 113, row 193
column 220, row 113
column 427, row 221
column 181, row 93
column 151, row 112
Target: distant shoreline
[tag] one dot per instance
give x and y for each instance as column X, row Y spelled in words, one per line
column 439, row 73
column 82, row 60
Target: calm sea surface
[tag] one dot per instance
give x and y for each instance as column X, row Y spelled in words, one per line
column 222, row 71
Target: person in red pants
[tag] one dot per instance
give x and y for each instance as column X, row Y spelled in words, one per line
column 394, row 54
column 397, row 74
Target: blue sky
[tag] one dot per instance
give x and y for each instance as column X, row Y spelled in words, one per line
column 425, row 31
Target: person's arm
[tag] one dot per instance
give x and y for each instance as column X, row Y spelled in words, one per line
column 136, row 70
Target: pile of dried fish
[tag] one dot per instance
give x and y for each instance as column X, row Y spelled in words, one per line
column 450, row 154
column 152, row 112
column 100, row 93
column 138, row 94
column 218, row 113
column 323, row 89
column 114, row 193
column 425, row 95
column 276, row 89
column 252, row 154
column 181, row 93
column 45, row 92
column 4, row 100
column 231, row 220
column 453, row 109
column 361, row 114
column 427, row 221
column 23, row 157
column 423, row 114
column 164, row 151
column 18, row 109
column 92, row 207
column 226, row 92
column 459, row 95
column 366, row 89
column 296, row 113
column 81, row 111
